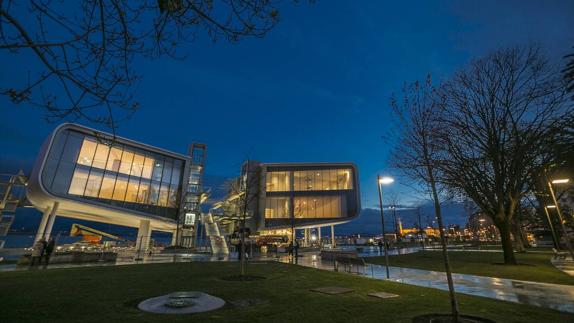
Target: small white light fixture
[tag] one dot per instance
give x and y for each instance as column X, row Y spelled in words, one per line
column 550, row 206
column 386, row 180
column 561, row 181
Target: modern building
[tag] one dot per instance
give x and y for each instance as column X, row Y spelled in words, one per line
column 87, row 174
column 281, row 197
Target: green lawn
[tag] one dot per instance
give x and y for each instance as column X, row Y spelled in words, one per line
column 110, row 294
column 532, row 266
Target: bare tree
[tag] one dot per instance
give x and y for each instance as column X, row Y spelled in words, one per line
column 417, row 155
column 84, row 50
column 495, row 126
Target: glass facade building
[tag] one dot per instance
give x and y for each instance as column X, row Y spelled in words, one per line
column 86, row 167
column 308, row 194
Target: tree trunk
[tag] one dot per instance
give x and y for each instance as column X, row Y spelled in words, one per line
column 450, row 282
column 507, row 248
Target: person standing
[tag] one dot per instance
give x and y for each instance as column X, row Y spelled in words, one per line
column 48, row 251
column 37, row 252
column 380, row 246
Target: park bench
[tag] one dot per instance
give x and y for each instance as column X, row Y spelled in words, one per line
column 346, row 258
column 559, row 254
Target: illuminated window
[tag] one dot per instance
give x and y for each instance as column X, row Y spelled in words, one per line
column 101, row 156
column 87, row 152
column 322, row 180
column 126, row 165
column 137, row 165
column 107, row 189
column 132, row 191
column 120, row 189
column 154, row 193
column 148, row 166
column 79, row 180
column 143, row 193
column 93, row 184
column 163, row 195
column 276, row 207
column 114, row 160
column 172, row 199
column 319, row 207
column 277, row 182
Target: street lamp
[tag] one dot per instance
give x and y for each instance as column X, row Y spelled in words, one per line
column 384, row 181
column 557, row 207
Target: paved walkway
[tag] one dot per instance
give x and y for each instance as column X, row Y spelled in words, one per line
column 554, row 296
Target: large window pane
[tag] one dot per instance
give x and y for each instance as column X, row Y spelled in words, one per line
column 157, row 170
column 148, row 166
column 107, row 189
column 172, row 199
column 87, row 152
column 163, row 195
column 120, row 189
column 132, row 192
column 175, row 176
column 154, row 193
column 138, row 165
column 79, row 180
column 277, row 208
column 101, row 156
column 114, row 160
column 319, row 206
column 126, row 165
column 344, row 180
column 277, row 181
column 143, row 193
column 93, row 184
column 166, row 177
column 64, row 172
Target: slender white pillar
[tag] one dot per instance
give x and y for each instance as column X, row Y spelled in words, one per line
column 333, row 242
column 319, row 235
column 51, row 220
column 306, row 239
column 42, row 225
column 144, row 233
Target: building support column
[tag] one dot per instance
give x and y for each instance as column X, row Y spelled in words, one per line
column 47, row 222
column 174, row 237
column 319, row 235
column 306, row 237
column 42, row 225
column 333, row 242
column 142, row 242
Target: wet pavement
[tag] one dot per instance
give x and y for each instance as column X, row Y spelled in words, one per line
column 554, row 296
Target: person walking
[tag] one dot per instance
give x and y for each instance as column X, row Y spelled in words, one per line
column 48, row 251
column 381, row 246
column 37, row 252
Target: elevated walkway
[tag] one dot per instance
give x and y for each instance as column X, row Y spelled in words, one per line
column 216, row 239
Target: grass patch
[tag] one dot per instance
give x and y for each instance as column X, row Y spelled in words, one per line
column 531, row 267
column 111, row 294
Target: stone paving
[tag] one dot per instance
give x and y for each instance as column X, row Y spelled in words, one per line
column 554, row 296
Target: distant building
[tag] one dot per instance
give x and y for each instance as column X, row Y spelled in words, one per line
column 282, row 196
column 87, row 174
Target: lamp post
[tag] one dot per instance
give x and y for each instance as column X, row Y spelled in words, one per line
column 554, row 238
column 566, row 237
column 384, row 181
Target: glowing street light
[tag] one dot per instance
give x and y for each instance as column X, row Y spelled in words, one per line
column 561, row 181
column 384, row 181
column 559, row 213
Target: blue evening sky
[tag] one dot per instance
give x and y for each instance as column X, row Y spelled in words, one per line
column 316, row 88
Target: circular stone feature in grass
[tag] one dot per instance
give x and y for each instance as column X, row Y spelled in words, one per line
column 181, row 303
column 242, row 278
column 447, row 318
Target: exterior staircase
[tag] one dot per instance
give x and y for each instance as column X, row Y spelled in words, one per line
column 216, row 239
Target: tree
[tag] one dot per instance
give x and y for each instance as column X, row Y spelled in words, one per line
column 497, row 118
column 85, row 50
column 569, row 73
column 417, row 155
